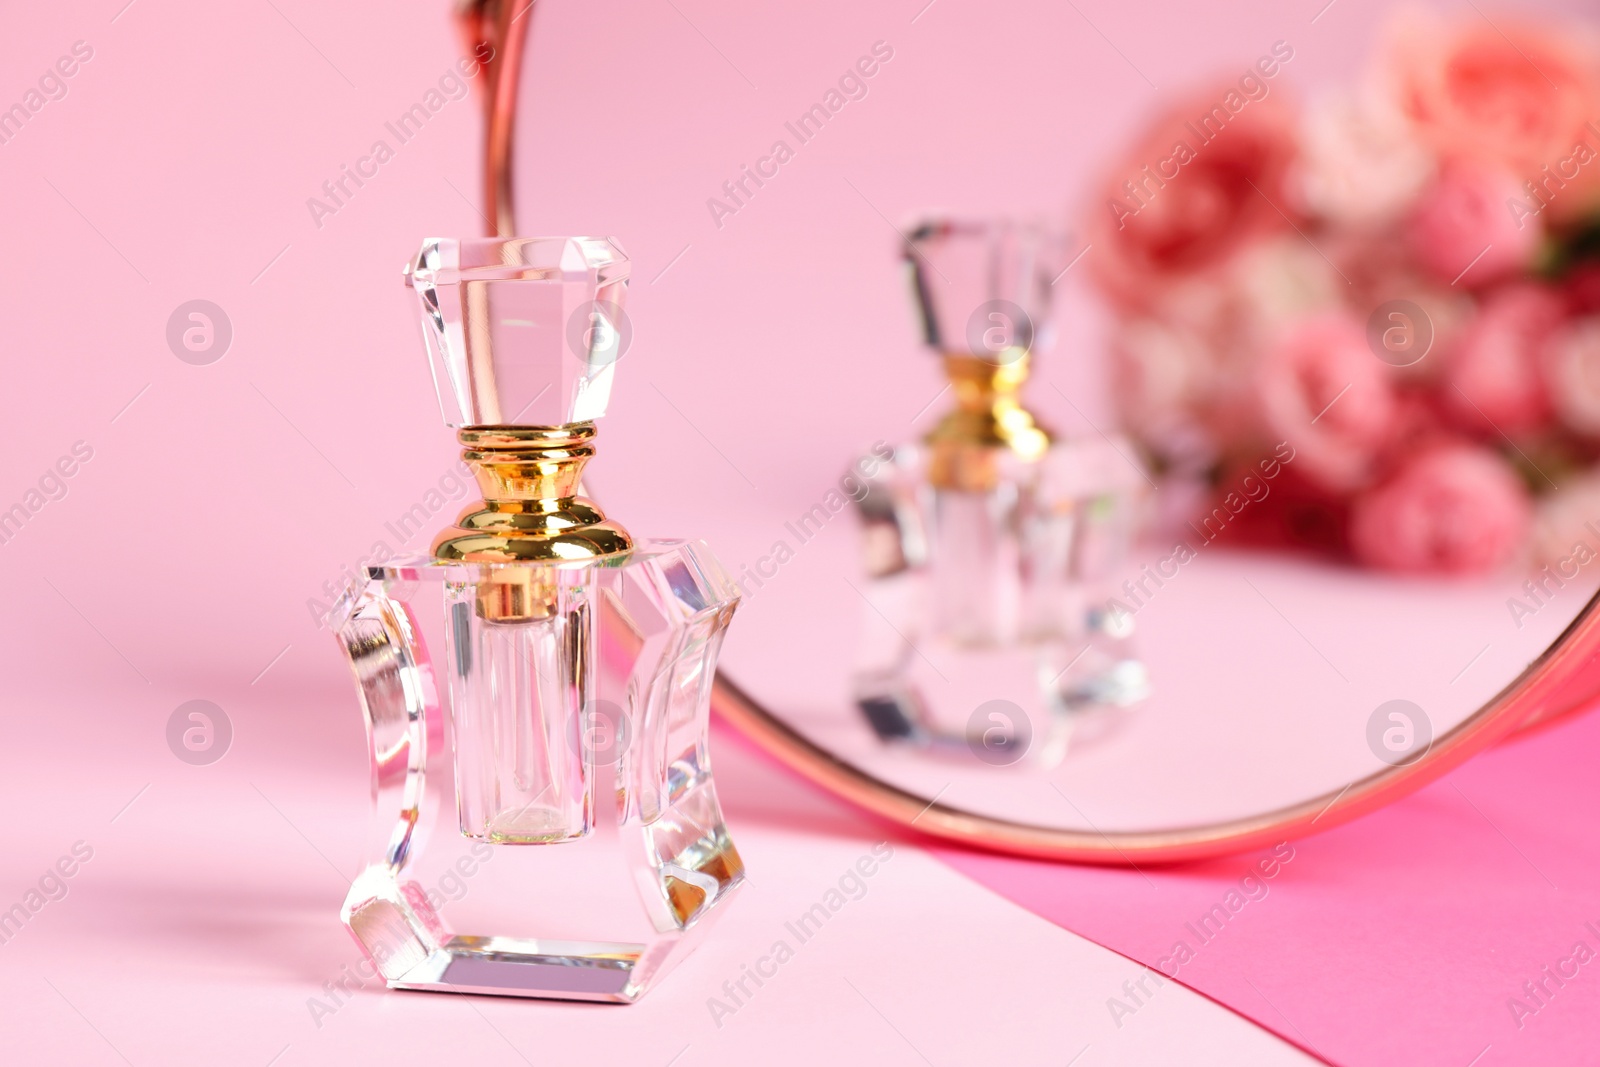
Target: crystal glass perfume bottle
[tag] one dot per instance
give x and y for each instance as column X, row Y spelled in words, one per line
column 578, row 664
column 989, row 544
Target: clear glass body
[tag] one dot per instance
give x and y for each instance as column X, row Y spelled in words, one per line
column 582, row 725
column 519, row 693
column 999, row 594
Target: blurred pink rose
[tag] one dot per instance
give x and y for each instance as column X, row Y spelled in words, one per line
column 1572, row 367
column 1377, row 274
column 1461, row 229
column 1565, row 517
column 1156, row 371
column 1322, row 390
column 1507, row 94
column 1360, row 162
column 1493, row 380
column 1192, row 201
column 1453, row 509
column 1582, row 288
column 1418, row 424
column 1275, row 282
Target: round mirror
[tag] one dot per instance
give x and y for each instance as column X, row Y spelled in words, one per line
column 1125, row 450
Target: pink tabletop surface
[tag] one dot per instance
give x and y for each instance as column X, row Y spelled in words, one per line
column 1405, row 937
column 202, row 928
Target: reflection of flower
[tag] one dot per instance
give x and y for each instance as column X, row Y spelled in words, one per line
column 1493, row 381
column 1462, row 230
column 1260, row 272
column 1452, row 509
column 1582, row 288
column 1361, row 163
column 1278, row 282
column 1378, row 273
column 1213, row 197
column 1157, row 371
column 1572, row 366
column 1508, row 95
column 1321, row 390
column 1565, row 518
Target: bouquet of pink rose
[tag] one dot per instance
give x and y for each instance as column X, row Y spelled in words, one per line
column 1399, row 288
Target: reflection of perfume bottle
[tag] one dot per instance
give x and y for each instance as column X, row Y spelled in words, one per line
column 579, row 660
column 989, row 543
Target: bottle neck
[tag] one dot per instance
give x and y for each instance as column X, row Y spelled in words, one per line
column 531, row 513
column 989, row 423
column 531, row 510
column 525, row 463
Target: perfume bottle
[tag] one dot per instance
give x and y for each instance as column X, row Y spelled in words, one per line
column 578, row 664
column 989, row 545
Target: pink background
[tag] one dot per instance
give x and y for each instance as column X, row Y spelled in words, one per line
column 221, row 498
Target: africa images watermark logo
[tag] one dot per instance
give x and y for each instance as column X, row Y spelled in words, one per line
column 850, row 886
column 738, row 191
column 51, row 886
column 1205, row 128
column 199, row 732
column 392, row 938
column 1251, row 888
column 852, row 487
column 199, row 332
column 1537, row 992
column 337, row 192
column 51, row 486
column 1253, row 488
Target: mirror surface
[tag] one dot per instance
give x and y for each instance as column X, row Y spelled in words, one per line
column 1263, row 662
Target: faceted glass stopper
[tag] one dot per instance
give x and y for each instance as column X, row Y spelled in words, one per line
column 522, row 331
column 981, row 287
